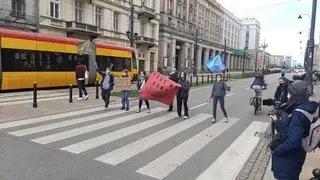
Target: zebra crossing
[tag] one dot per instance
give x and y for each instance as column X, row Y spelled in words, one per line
column 83, row 131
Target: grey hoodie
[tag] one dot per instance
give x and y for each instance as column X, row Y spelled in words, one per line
column 219, row 89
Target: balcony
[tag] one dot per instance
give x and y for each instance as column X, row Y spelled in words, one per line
column 147, row 12
column 177, row 24
column 142, row 40
column 77, row 27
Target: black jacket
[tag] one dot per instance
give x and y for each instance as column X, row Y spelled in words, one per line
column 282, row 93
column 103, row 74
column 183, row 91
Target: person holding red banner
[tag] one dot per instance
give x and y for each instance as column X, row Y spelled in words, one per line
column 141, row 82
column 174, row 76
column 182, row 95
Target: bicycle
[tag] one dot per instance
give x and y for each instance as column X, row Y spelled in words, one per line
column 256, row 100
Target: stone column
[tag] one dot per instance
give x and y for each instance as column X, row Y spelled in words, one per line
column 173, row 53
column 228, row 61
column 199, row 53
column 191, row 58
column 184, row 55
column 163, row 50
column 205, row 59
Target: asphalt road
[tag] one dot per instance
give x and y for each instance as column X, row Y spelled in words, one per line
column 118, row 145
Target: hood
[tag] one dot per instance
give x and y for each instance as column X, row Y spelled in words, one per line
column 309, row 106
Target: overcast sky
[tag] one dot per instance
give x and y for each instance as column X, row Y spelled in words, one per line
column 280, row 25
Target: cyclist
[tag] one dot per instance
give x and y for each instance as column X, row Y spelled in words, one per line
column 258, row 85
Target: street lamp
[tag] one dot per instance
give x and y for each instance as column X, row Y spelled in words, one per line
column 264, row 47
column 300, row 16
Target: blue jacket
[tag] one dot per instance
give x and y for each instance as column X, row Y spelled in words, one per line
column 288, row 158
column 219, row 89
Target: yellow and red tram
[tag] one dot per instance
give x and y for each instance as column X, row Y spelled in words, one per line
column 26, row 57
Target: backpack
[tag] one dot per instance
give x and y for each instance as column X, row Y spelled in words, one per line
column 312, row 141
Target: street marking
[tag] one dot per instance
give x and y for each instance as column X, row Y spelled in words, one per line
column 236, row 155
column 247, row 88
column 33, row 130
column 112, row 136
column 20, row 98
column 230, row 94
column 52, row 117
column 167, row 163
column 126, row 152
column 200, row 105
column 93, row 127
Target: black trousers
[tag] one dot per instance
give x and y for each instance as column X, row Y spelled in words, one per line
column 81, row 88
column 183, row 100
column 215, row 103
column 147, row 103
column 105, row 94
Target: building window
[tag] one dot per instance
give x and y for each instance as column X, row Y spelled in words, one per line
column 79, row 11
column 142, row 28
column 55, row 8
column 18, row 8
column 99, row 17
column 116, row 21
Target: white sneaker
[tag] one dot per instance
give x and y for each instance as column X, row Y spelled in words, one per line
column 86, row 97
column 213, row 120
column 149, row 111
column 226, row 120
column 185, row 117
column 79, row 98
column 138, row 111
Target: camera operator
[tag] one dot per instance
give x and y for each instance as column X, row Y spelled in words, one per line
column 282, row 91
column 288, row 156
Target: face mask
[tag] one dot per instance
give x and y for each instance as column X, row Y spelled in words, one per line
column 289, row 96
column 108, row 71
column 218, row 79
column 124, row 74
column 182, row 75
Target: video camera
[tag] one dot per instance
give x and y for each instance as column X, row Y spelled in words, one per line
column 276, row 106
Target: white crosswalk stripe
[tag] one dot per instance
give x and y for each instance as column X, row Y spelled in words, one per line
column 70, row 134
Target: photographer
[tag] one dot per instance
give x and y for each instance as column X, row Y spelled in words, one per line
column 282, row 91
column 288, row 156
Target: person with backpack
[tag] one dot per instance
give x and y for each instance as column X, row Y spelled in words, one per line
column 293, row 126
column 218, row 93
column 81, row 71
column 107, row 84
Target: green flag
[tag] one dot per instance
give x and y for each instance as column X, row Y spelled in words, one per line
column 83, row 47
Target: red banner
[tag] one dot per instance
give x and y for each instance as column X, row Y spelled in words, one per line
column 159, row 88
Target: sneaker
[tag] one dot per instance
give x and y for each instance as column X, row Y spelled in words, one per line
column 122, row 108
column 185, row 117
column 86, row 97
column 138, row 111
column 149, row 111
column 169, row 110
column 106, row 106
column 226, row 120
column 127, row 109
column 80, row 98
column 213, row 120
column 178, row 116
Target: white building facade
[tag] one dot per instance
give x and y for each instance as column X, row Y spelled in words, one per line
column 107, row 21
column 250, row 33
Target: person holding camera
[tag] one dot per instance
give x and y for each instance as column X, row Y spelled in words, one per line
column 292, row 126
column 282, row 91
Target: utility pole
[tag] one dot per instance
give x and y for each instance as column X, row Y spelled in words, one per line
column 256, row 61
column 195, row 55
column 225, row 56
column 311, row 47
column 244, row 61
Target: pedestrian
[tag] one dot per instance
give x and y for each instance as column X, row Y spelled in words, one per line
column 282, row 91
column 107, row 84
column 183, row 95
column 174, row 76
column 288, row 156
column 81, row 71
column 218, row 93
column 125, row 94
column 143, row 78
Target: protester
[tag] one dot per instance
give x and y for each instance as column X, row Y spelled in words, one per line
column 125, row 94
column 182, row 95
column 141, row 82
column 107, row 84
column 282, row 91
column 218, row 93
column 80, row 76
column 174, row 77
column 288, row 155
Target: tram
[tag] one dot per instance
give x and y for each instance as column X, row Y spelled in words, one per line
column 26, row 57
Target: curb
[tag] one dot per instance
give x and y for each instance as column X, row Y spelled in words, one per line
column 257, row 163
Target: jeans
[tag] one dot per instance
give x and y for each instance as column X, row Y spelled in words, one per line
column 125, row 99
column 81, row 88
column 183, row 100
column 105, row 94
column 215, row 103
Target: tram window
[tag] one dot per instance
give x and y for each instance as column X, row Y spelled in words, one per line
column 14, row 60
